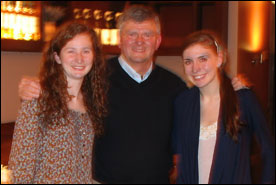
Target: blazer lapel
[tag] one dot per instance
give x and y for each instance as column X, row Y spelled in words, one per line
column 217, row 168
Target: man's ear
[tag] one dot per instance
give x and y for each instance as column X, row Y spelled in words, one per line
column 57, row 58
column 158, row 41
column 119, row 38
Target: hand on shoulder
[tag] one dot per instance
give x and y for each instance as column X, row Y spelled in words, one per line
column 29, row 88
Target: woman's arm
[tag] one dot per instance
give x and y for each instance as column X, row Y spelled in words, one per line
column 257, row 121
column 25, row 143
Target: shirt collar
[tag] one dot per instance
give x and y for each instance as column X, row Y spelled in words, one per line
column 132, row 73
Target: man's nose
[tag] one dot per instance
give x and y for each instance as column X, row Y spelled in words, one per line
column 139, row 39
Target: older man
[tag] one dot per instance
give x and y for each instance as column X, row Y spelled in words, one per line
column 136, row 144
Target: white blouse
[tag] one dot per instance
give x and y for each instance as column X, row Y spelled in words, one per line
column 207, row 141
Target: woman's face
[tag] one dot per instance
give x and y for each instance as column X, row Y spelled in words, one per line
column 201, row 65
column 76, row 57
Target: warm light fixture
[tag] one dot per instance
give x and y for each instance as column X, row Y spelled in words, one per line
column 109, row 36
column 256, row 17
column 256, row 25
column 107, row 33
column 5, row 175
column 19, row 27
column 19, row 21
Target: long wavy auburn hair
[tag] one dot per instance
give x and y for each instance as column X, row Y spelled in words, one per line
column 229, row 104
column 54, row 97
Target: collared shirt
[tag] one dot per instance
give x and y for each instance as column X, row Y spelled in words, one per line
column 132, row 73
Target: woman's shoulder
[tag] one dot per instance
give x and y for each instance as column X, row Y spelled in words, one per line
column 246, row 96
column 188, row 93
column 244, row 92
column 249, row 103
column 29, row 105
column 187, row 97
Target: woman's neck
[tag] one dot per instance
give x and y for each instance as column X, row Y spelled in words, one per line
column 76, row 102
column 210, row 91
column 74, row 87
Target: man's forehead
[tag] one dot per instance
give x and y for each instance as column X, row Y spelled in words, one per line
column 148, row 24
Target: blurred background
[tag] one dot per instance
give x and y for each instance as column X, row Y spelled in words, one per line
column 247, row 28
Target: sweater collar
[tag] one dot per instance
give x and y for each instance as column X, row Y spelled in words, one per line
column 132, row 73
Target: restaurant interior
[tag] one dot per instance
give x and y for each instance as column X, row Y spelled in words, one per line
column 247, row 27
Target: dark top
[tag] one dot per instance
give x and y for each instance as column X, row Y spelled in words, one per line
column 231, row 163
column 136, row 145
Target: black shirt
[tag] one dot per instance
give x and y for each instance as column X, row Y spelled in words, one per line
column 136, row 146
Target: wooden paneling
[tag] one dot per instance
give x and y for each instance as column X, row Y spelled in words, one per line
column 21, row 45
column 252, row 41
column 178, row 19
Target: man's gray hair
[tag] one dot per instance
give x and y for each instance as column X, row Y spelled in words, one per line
column 138, row 13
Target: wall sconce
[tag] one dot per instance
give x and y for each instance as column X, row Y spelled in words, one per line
column 109, row 36
column 82, row 13
column 18, row 24
column 260, row 57
column 104, row 23
column 5, row 175
column 86, row 13
column 106, row 32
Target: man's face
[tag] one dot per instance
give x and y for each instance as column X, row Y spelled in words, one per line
column 138, row 41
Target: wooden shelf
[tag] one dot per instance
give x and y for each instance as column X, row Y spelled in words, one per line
column 111, row 50
column 21, row 45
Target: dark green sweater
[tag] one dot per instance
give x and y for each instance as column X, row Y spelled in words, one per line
column 136, row 147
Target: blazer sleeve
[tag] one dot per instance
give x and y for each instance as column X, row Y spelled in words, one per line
column 256, row 120
column 176, row 126
column 24, row 145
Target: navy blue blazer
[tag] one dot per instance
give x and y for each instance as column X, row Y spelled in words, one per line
column 231, row 161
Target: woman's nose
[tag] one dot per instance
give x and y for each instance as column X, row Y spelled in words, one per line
column 79, row 57
column 196, row 67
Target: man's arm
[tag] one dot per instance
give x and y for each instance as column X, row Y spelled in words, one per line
column 240, row 82
column 29, row 88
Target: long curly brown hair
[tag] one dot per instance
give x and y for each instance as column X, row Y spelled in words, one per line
column 54, row 97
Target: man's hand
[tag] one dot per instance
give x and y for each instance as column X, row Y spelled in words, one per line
column 173, row 172
column 173, row 175
column 29, row 88
column 240, row 82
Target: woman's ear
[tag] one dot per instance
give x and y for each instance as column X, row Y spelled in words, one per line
column 57, row 58
column 220, row 59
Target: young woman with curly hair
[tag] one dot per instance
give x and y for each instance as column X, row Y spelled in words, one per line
column 54, row 133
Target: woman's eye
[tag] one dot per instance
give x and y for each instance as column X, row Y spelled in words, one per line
column 70, row 51
column 187, row 62
column 202, row 59
column 86, row 51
